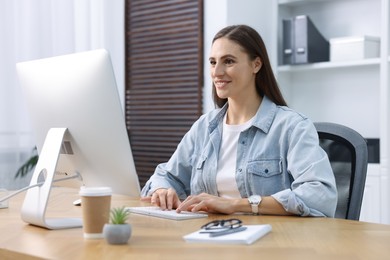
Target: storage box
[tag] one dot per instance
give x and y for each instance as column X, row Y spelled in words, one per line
column 354, row 48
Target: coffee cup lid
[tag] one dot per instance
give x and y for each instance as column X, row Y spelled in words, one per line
column 95, row 191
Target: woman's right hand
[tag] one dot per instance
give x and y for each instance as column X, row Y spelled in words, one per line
column 164, row 198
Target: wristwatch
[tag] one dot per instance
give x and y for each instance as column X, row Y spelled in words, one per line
column 254, row 201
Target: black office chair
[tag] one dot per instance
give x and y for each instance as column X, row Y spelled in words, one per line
column 347, row 152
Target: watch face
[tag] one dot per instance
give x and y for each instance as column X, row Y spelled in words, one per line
column 255, row 199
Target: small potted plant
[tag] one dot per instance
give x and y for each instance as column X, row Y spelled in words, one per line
column 117, row 231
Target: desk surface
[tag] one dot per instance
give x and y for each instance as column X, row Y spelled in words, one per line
column 154, row 238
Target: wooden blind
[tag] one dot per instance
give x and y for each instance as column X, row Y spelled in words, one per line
column 164, row 74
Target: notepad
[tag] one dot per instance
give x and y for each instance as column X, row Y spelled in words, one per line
column 248, row 236
column 168, row 214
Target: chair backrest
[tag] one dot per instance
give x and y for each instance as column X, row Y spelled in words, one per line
column 347, row 152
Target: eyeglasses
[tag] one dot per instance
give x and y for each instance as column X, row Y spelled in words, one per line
column 222, row 227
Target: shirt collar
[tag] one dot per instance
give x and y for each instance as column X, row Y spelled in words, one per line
column 263, row 119
column 265, row 115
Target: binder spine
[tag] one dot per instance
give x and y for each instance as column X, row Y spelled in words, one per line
column 288, row 42
column 302, row 42
column 301, row 38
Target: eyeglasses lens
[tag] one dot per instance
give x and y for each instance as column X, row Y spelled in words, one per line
column 222, row 224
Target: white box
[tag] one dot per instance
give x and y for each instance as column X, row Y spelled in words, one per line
column 354, row 48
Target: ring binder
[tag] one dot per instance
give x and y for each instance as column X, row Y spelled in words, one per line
column 305, row 41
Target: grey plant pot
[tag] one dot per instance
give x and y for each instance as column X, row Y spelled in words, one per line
column 117, row 234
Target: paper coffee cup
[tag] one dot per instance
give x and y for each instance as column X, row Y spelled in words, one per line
column 95, row 203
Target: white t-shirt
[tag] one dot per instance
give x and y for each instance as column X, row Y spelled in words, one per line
column 226, row 171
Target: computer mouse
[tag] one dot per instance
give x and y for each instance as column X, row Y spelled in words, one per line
column 77, row 202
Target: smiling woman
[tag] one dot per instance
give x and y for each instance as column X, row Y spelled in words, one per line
column 256, row 53
column 246, row 155
column 234, row 74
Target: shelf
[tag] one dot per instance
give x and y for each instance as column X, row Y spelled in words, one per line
column 300, row 2
column 329, row 65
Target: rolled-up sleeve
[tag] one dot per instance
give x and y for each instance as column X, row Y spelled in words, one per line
column 313, row 190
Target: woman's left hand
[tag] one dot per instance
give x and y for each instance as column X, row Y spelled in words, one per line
column 208, row 203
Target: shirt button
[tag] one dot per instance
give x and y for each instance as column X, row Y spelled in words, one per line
column 266, row 170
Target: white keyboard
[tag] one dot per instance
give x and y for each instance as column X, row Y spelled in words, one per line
column 169, row 214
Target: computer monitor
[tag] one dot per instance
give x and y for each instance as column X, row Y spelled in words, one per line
column 79, row 125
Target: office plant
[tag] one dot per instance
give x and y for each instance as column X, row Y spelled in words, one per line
column 29, row 165
column 118, row 231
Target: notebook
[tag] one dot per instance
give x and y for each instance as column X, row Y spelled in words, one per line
column 168, row 214
column 247, row 236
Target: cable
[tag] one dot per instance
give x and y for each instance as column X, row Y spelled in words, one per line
column 77, row 175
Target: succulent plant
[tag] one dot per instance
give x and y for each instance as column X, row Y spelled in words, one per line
column 119, row 215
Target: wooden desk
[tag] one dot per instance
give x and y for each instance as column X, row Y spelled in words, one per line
column 154, row 238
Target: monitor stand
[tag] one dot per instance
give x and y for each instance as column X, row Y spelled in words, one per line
column 36, row 200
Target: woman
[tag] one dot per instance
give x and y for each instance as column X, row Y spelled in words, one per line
column 252, row 153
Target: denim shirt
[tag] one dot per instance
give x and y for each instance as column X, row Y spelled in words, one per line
column 278, row 156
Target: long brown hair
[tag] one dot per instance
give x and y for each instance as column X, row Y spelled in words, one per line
column 253, row 44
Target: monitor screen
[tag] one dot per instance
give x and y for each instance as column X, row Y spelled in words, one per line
column 78, row 92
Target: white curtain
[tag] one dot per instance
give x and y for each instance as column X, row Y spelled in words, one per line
column 39, row 29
